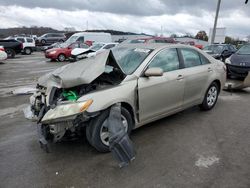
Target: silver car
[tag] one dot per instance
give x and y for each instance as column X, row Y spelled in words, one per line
column 150, row 81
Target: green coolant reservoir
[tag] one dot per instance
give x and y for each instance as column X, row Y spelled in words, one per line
column 70, row 95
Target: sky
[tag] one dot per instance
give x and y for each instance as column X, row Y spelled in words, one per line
column 148, row 16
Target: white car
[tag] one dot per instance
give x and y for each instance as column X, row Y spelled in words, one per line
column 3, row 54
column 28, row 44
column 80, row 53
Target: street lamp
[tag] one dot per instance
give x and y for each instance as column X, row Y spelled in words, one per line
column 215, row 21
column 216, row 18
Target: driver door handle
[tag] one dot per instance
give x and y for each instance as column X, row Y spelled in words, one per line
column 180, row 77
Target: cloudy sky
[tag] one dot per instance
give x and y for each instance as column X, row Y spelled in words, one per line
column 148, row 16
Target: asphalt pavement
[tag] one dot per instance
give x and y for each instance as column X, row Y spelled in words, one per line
column 189, row 149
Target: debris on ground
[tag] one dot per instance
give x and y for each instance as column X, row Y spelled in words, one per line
column 24, row 91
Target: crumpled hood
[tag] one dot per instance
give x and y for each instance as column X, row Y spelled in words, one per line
column 78, row 73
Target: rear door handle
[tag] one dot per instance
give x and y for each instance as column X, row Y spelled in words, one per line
column 180, row 77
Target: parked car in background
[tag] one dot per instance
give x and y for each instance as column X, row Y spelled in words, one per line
column 3, row 54
column 64, row 51
column 238, row 64
column 12, row 47
column 90, row 38
column 150, row 81
column 151, row 40
column 79, row 53
column 50, row 38
column 29, row 45
column 220, row 51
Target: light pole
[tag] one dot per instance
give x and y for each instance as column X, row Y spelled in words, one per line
column 215, row 21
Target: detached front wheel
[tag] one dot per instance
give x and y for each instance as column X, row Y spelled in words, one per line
column 211, row 97
column 97, row 131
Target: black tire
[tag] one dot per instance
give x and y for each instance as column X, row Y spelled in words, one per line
column 207, row 103
column 10, row 52
column 43, row 42
column 94, row 128
column 61, row 57
column 27, row 51
column 222, row 59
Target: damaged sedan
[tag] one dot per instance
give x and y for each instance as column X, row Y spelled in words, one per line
column 149, row 81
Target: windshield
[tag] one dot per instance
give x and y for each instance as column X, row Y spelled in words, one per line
column 216, row 49
column 244, row 50
column 96, row 47
column 71, row 39
column 130, row 58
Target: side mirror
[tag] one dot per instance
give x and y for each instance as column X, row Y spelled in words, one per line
column 154, row 71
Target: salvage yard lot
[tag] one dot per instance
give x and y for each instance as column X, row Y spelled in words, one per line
column 189, row 149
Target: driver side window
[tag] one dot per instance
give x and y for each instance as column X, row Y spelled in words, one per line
column 167, row 60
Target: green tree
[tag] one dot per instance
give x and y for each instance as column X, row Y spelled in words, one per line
column 202, row 35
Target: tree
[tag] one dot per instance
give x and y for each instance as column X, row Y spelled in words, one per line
column 173, row 35
column 202, row 35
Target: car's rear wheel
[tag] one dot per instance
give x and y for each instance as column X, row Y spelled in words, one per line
column 97, row 131
column 27, row 51
column 61, row 57
column 211, row 97
column 10, row 52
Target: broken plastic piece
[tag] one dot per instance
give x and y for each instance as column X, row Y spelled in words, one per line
column 119, row 143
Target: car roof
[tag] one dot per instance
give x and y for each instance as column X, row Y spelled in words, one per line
column 155, row 46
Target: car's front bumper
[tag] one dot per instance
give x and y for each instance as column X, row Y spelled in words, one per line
column 50, row 56
column 237, row 71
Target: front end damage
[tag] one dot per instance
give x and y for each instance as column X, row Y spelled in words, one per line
column 56, row 106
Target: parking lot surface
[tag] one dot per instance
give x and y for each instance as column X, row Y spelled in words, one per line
column 189, row 149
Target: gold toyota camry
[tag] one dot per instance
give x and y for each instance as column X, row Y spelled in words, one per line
column 150, row 81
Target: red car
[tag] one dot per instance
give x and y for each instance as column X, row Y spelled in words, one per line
column 152, row 40
column 64, row 52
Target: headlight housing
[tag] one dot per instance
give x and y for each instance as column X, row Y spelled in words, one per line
column 53, row 52
column 67, row 109
column 228, row 61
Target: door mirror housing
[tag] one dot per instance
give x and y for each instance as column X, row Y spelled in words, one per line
column 153, row 71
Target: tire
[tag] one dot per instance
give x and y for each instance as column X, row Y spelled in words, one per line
column 10, row 52
column 43, row 42
column 98, row 125
column 27, row 51
column 210, row 97
column 61, row 57
column 222, row 59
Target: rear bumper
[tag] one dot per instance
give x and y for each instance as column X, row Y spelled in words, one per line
column 237, row 71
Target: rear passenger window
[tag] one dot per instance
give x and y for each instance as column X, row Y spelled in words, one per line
column 167, row 60
column 191, row 58
column 29, row 40
column 21, row 40
column 204, row 60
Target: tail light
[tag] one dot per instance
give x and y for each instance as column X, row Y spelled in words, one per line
column 21, row 46
column 2, row 49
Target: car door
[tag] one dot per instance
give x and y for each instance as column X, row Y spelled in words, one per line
column 164, row 94
column 196, row 74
